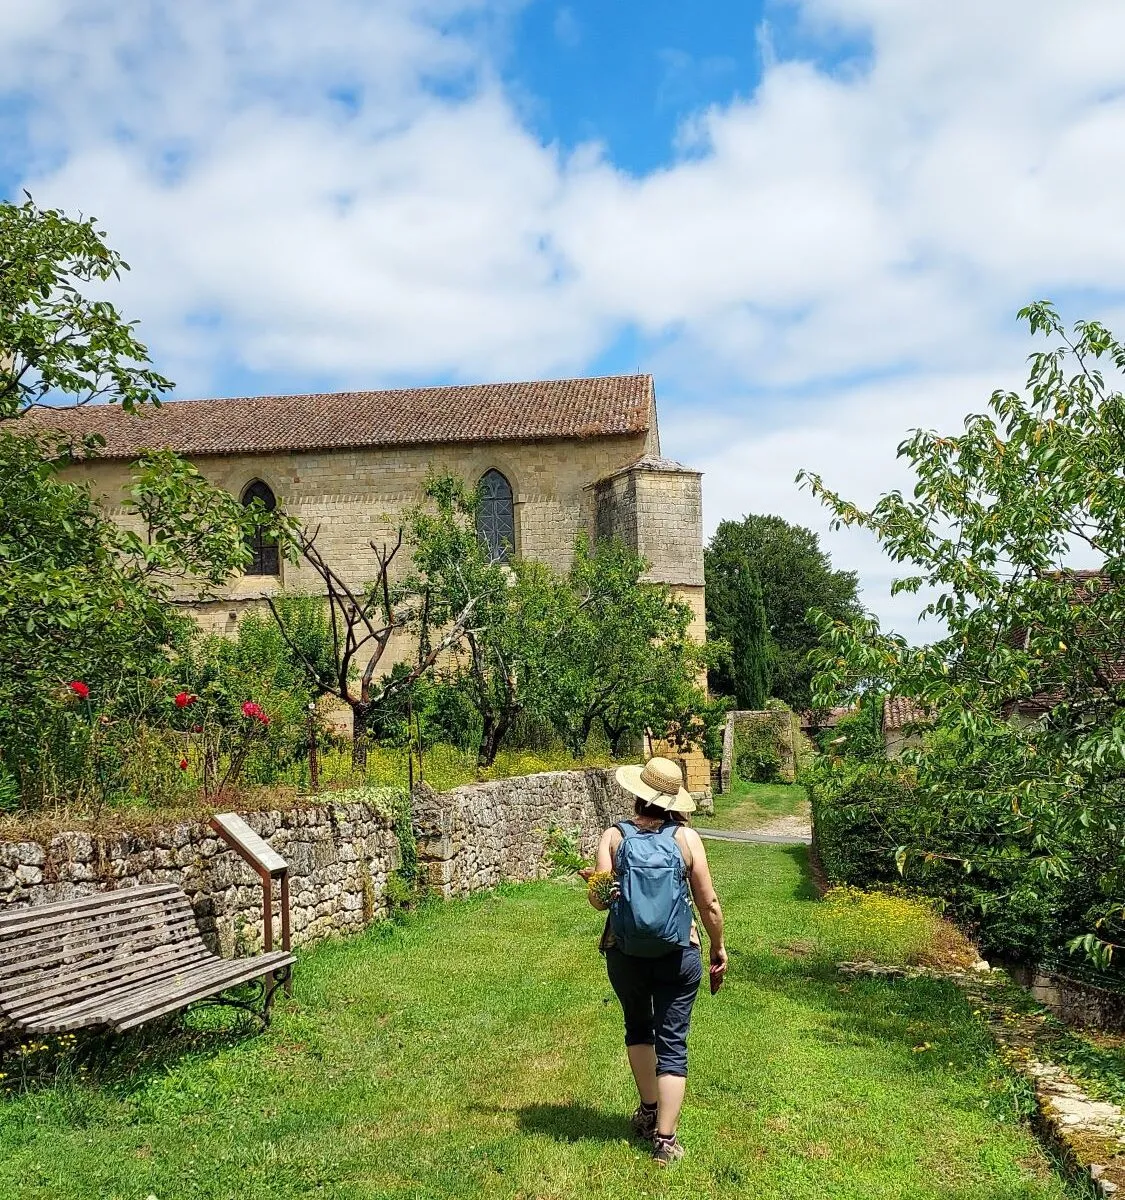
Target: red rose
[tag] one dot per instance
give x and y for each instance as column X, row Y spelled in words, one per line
column 183, row 764
column 197, row 729
column 250, row 709
column 183, row 699
column 79, row 688
column 263, row 718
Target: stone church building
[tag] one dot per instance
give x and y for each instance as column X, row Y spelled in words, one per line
column 552, row 458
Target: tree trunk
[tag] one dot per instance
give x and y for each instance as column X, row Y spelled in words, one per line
column 492, row 736
column 359, row 739
column 489, row 743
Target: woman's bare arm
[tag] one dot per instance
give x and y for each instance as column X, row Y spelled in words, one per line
column 604, row 862
column 706, row 901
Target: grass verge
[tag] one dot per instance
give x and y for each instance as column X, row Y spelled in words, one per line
column 475, row 1051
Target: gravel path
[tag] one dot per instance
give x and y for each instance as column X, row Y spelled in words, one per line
column 784, row 831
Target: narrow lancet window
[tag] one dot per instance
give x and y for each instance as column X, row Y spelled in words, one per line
column 262, row 547
column 496, row 519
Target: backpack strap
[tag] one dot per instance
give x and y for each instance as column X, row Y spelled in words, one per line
column 675, row 828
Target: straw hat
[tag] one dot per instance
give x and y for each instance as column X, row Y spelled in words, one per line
column 658, row 782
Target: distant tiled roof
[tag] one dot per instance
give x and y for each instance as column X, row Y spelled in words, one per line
column 899, row 712
column 823, row 718
column 565, row 408
column 1109, row 664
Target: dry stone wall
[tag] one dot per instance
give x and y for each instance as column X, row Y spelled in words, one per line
column 478, row 836
column 339, row 858
column 340, row 854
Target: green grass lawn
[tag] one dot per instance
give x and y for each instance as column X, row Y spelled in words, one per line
column 751, row 805
column 475, row 1050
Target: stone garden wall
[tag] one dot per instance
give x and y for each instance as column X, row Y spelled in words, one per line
column 340, row 854
column 480, row 835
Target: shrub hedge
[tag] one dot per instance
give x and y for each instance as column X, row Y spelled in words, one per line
column 876, row 826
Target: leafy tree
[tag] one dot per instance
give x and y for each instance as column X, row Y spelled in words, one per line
column 594, row 646
column 622, row 657
column 992, row 521
column 83, row 600
column 455, row 568
column 54, row 338
column 362, row 621
column 794, row 575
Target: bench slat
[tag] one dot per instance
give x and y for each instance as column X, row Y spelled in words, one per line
column 77, row 987
column 263, row 965
column 17, row 964
column 139, row 990
column 143, row 1003
column 104, row 923
column 41, row 915
column 13, row 931
column 107, row 971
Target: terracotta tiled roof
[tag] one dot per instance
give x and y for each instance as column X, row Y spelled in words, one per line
column 900, row 712
column 823, row 718
column 565, row 408
column 1087, row 586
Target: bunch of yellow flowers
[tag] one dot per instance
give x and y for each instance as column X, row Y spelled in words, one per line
column 601, row 885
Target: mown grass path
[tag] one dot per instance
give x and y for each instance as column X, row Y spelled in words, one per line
column 476, row 1051
column 750, row 806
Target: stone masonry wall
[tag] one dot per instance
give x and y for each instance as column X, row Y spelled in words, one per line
column 339, row 858
column 785, row 725
column 484, row 834
column 340, row 855
column 354, row 496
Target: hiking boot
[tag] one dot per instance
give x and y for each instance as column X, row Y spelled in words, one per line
column 643, row 1123
column 666, row 1150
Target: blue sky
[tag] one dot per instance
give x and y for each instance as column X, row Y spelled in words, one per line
column 811, row 220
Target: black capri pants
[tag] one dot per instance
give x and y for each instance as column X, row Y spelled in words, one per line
column 657, row 996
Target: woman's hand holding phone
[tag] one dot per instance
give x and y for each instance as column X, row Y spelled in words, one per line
column 718, row 967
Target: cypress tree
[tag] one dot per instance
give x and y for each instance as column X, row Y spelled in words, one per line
column 750, row 641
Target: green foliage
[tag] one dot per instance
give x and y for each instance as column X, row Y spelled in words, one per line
column 455, row 570
column 256, row 666
column 595, row 648
column 757, row 752
column 1028, row 814
column 878, row 822
column 737, row 617
column 794, row 575
column 561, row 851
column 83, row 600
column 620, row 656
column 53, row 338
column 859, row 735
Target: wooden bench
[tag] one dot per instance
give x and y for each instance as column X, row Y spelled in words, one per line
column 117, row 959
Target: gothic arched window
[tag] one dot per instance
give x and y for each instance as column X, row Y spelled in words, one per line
column 262, row 547
column 496, row 519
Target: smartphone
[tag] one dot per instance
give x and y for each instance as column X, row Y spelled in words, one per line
column 717, row 977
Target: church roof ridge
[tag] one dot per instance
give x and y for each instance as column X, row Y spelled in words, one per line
column 535, row 410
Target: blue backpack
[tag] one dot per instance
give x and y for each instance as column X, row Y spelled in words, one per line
column 652, row 916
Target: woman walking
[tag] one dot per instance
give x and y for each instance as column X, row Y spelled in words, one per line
column 651, row 941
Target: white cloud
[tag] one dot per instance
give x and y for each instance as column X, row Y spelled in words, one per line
column 345, row 191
